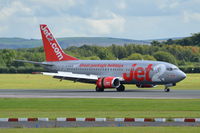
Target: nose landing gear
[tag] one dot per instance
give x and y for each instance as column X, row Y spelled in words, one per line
column 167, row 89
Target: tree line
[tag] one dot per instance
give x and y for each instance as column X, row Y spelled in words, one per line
column 194, row 40
column 186, row 57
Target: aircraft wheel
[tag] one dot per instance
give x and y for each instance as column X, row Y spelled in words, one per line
column 120, row 88
column 99, row 89
column 167, row 89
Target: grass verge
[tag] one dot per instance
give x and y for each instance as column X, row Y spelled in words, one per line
column 31, row 81
column 52, row 108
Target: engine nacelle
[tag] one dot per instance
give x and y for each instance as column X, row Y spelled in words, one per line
column 145, row 85
column 108, row 82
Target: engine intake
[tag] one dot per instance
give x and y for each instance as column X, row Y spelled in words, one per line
column 108, row 82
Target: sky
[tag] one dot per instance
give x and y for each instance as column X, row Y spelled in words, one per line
column 132, row 19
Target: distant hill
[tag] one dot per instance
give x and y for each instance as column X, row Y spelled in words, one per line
column 14, row 43
column 163, row 39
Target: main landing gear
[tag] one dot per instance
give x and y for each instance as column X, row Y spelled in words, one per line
column 167, row 89
column 99, row 89
column 120, row 88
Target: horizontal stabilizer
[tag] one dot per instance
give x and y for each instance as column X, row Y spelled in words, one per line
column 33, row 62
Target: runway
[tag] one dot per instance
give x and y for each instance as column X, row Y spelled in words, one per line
column 87, row 93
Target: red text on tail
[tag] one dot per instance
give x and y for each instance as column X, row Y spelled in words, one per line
column 52, row 49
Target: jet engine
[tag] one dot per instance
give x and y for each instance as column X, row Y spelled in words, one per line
column 108, row 82
column 145, row 85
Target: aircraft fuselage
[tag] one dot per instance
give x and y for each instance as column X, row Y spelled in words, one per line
column 133, row 72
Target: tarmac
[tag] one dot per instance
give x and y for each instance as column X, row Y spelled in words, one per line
column 55, row 124
column 109, row 93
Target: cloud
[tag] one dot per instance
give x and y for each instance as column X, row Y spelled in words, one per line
column 121, row 5
column 15, row 8
column 191, row 16
column 134, row 19
column 13, row 16
column 69, row 25
column 168, row 4
column 107, row 26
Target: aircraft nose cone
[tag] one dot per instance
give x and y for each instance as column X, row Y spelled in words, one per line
column 182, row 75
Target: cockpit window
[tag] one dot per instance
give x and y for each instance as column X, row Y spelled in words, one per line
column 171, row 69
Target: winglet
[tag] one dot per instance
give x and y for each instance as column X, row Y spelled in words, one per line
column 52, row 49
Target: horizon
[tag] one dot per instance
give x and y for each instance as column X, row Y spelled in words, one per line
column 98, row 37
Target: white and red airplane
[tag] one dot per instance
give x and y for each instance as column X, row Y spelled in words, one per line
column 106, row 73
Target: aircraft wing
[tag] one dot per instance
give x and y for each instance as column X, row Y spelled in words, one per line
column 33, row 62
column 72, row 76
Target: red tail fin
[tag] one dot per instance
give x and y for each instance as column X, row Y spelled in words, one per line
column 52, row 49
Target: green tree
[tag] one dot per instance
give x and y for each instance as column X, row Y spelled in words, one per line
column 8, row 55
column 135, row 56
column 169, row 42
column 165, row 56
column 91, row 58
column 2, row 63
column 156, row 43
column 119, row 51
column 148, row 57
